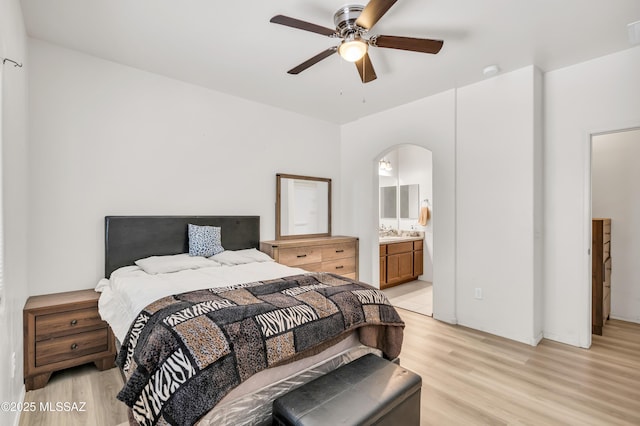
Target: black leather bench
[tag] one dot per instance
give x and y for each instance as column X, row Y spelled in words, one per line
column 367, row 391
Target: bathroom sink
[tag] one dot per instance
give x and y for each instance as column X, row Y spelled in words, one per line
column 394, row 238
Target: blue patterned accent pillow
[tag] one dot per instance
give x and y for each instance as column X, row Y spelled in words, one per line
column 204, row 240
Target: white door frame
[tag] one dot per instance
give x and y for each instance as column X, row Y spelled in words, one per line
column 585, row 337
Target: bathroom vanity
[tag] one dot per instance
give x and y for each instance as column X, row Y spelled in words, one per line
column 401, row 260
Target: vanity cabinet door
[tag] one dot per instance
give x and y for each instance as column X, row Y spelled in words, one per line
column 418, row 263
column 400, row 262
column 399, row 267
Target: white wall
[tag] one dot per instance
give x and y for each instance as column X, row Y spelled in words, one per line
column 13, row 125
column 594, row 96
column 429, row 123
column 496, row 177
column 486, row 147
column 615, row 194
column 108, row 139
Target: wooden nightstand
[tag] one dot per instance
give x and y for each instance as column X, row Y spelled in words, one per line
column 64, row 330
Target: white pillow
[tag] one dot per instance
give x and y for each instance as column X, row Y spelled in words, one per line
column 174, row 263
column 102, row 284
column 255, row 255
column 125, row 270
column 239, row 257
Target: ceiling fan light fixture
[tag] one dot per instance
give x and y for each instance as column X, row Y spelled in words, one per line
column 353, row 49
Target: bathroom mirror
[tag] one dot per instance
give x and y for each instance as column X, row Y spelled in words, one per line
column 388, row 202
column 303, row 206
column 409, row 201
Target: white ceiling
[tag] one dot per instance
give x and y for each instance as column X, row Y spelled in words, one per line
column 231, row 47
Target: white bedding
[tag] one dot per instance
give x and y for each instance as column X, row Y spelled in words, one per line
column 130, row 289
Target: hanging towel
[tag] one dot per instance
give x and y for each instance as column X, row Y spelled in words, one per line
column 425, row 215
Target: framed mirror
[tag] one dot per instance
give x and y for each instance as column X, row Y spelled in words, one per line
column 303, row 207
column 409, row 201
column 388, row 202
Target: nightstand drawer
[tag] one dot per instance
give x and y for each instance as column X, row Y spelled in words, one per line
column 73, row 346
column 63, row 323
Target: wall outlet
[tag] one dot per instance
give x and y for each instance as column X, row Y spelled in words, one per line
column 478, row 293
column 13, row 365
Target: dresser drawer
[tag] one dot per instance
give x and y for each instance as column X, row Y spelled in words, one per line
column 340, row 266
column 300, row 255
column 399, row 247
column 338, row 251
column 63, row 323
column 72, row 346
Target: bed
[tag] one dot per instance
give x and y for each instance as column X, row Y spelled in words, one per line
column 133, row 297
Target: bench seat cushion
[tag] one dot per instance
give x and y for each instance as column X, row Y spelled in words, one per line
column 369, row 390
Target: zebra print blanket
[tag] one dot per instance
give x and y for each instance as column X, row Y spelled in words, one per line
column 185, row 352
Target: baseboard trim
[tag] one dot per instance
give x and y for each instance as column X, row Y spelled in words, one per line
column 536, row 340
column 620, row 318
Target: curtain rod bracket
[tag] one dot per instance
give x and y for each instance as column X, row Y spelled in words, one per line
column 15, row 64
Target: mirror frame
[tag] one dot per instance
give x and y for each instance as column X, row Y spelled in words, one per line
column 279, row 177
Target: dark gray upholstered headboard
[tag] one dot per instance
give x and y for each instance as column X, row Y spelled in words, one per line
column 129, row 238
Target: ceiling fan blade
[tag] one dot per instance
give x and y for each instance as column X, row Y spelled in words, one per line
column 423, row 45
column 302, row 25
column 312, row 61
column 365, row 68
column 372, row 13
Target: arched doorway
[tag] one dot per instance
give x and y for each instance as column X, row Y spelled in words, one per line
column 405, row 230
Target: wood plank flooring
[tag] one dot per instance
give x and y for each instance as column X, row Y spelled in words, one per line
column 98, row 389
column 469, row 378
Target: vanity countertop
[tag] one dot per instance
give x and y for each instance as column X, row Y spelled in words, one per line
column 398, row 239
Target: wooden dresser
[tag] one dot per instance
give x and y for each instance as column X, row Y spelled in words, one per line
column 64, row 330
column 600, row 273
column 400, row 262
column 325, row 254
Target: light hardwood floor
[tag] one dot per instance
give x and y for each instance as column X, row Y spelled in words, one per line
column 469, row 378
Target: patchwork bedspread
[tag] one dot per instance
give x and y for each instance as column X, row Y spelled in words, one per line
column 185, row 352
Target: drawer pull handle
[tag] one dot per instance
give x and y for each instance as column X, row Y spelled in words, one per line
column 339, row 267
column 74, row 346
column 339, row 251
column 73, row 322
column 302, row 255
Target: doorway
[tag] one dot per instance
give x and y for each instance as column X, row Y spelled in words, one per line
column 615, row 208
column 405, row 228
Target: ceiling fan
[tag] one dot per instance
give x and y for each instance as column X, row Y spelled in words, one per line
column 353, row 23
